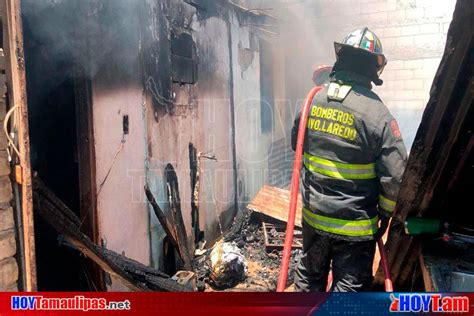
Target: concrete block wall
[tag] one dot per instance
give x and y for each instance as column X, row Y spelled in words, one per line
column 8, row 247
column 413, row 34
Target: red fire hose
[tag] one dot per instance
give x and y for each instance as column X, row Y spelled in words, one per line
column 295, row 181
column 385, row 266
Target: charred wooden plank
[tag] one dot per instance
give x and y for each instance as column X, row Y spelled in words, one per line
column 133, row 274
column 175, row 205
column 169, row 226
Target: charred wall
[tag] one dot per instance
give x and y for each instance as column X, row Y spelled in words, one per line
column 161, row 75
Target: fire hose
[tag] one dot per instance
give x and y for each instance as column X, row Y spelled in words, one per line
column 295, row 181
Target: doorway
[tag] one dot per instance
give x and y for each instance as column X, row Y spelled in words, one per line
column 61, row 140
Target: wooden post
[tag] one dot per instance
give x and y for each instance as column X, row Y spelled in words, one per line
column 16, row 84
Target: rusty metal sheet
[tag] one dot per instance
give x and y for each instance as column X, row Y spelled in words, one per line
column 275, row 202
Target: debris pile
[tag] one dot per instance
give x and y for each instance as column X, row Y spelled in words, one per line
column 228, row 265
column 247, row 234
column 247, row 258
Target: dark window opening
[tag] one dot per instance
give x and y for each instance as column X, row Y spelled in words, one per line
column 183, row 59
column 266, row 87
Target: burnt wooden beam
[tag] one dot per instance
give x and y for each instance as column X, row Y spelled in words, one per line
column 169, row 227
column 165, row 222
column 131, row 273
column 175, row 206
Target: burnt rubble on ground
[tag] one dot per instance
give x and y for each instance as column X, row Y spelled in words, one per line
column 263, row 267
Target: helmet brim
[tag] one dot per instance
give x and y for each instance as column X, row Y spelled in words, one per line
column 381, row 60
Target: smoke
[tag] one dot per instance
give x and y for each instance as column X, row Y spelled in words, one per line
column 67, row 42
column 71, row 35
column 306, row 46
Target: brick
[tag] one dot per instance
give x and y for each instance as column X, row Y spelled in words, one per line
column 429, row 40
column 5, row 189
column 405, row 41
column 396, row 16
column 6, row 219
column 423, row 3
column 3, row 140
column 430, row 73
column 388, row 75
column 3, row 89
column 424, row 74
column 431, row 63
column 435, row 11
column 351, row 9
column 416, row 14
column 410, row 30
column 7, row 244
column 414, row 84
column 4, row 164
column 389, row 42
column 387, row 95
column 394, row 84
column 398, row 104
column 429, row 28
column 395, row 64
column 3, row 104
column 391, row 32
column 420, row 94
column 5, row 205
column 379, row 17
column 375, row 7
column 403, row 74
column 391, row 5
column 8, row 274
column 415, row 104
column 404, row 94
column 413, row 64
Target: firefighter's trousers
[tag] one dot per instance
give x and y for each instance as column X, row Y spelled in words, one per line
column 351, row 263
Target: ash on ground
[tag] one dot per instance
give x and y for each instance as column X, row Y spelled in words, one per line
column 263, row 267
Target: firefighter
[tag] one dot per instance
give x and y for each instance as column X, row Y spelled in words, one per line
column 354, row 158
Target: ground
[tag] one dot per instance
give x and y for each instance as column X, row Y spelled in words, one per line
column 262, row 266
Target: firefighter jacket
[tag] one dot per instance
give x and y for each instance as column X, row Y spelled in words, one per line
column 353, row 162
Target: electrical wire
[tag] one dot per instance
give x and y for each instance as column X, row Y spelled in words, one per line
column 11, row 141
column 122, row 143
column 102, row 183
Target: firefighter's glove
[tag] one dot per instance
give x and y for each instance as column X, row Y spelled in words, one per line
column 384, row 221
